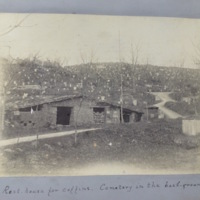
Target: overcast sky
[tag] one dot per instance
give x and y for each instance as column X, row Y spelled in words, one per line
column 73, row 38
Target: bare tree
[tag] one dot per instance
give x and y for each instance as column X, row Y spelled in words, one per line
column 8, row 76
column 76, row 114
column 134, row 62
column 12, row 28
column 89, row 57
column 4, row 67
column 121, row 80
column 85, row 73
column 196, row 57
column 195, row 90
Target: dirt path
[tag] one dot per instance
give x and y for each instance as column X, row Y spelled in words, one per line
column 7, row 142
column 164, row 97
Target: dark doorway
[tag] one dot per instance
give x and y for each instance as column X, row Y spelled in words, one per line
column 138, row 117
column 126, row 116
column 63, row 115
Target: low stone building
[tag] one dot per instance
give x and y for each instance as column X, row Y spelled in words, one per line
column 113, row 113
column 50, row 111
column 65, row 110
column 151, row 113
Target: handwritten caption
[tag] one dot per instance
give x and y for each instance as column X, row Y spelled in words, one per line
column 75, row 189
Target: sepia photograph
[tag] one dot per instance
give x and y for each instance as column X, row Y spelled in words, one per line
column 99, row 95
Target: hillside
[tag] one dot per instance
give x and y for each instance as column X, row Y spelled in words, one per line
column 96, row 80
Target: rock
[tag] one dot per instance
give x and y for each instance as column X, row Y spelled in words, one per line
column 48, row 146
column 59, row 127
column 191, row 146
column 186, row 142
column 53, row 127
column 9, row 150
column 19, row 149
column 94, row 144
column 35, row 143
column 134, row 141
column 59, row 143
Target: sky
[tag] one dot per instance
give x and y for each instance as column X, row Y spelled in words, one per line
column 73, row 39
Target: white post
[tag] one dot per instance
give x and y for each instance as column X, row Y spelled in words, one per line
column 147, row 112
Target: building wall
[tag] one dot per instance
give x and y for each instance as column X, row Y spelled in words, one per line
column 161, row 115
column 112, row 115
column 24, row 119
column 152, row 114
column 37, row 119
column 83, row 115
column 81, row 112
column 49, row 114
column 132, row 117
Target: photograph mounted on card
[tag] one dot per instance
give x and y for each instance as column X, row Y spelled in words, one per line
column 99, row 95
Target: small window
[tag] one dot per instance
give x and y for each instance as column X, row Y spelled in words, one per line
column 99, row 115
column 28, row 109
column 99, row 110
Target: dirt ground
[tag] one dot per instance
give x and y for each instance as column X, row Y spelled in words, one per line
column 148, row 146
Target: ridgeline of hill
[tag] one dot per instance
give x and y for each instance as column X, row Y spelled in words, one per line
column 97, row 79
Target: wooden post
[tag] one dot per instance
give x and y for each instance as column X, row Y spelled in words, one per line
column 121, row 101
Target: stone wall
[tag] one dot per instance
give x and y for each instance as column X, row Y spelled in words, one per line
column 50, row 115
column 112, row 115
column 83, row 115
column 152, row 114
column 81, row 111
column 36, row 119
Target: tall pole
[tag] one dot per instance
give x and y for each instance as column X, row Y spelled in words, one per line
column 133, row 65
column 121, row 100
column 121, row 82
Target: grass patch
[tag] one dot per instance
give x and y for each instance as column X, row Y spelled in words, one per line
column 138, row 142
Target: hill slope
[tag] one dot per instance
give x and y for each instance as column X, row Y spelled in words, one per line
column 96, row 79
